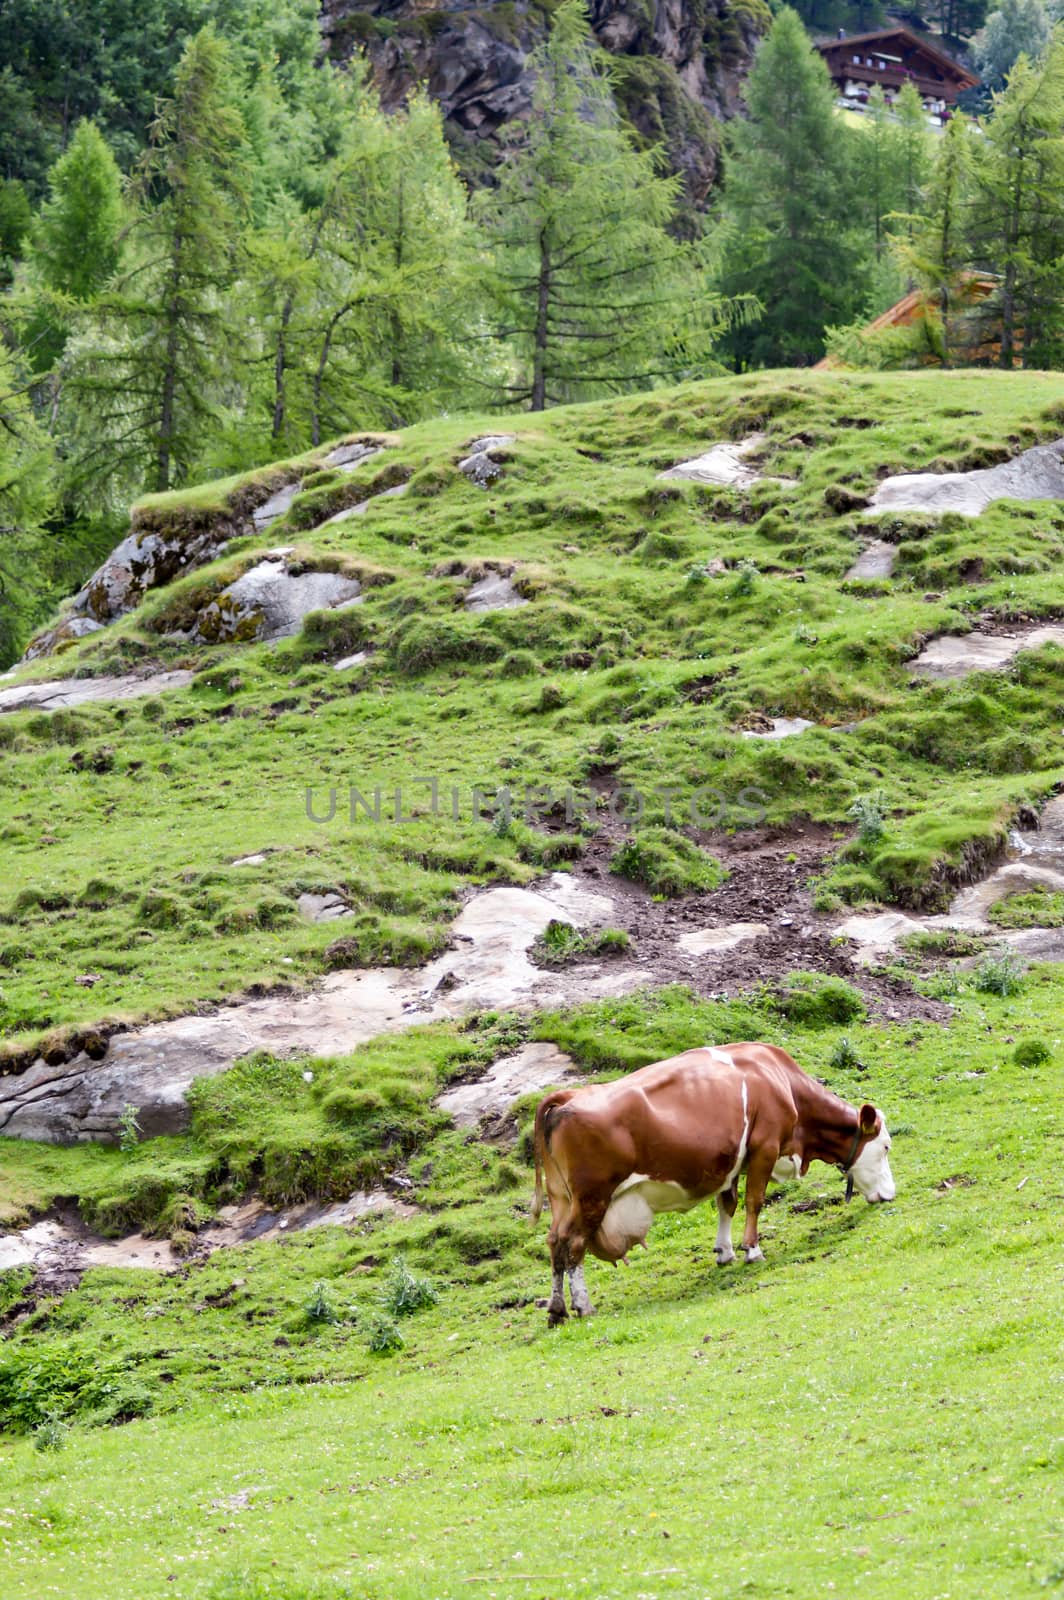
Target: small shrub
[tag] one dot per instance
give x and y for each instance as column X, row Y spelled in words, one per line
column 404, row 1292
column 869, row 813
column 382, row 1334
column 942, row 942
column 1000, row 972
column 844, row 1057
column 561, row 943
column 812, row 1001
column 746, row 582
column 129, row 1129
column 1032, row 1053
column 320, row 1307
column 50, row 1435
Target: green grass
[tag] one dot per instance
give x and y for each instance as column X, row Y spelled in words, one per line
column 880, row 1390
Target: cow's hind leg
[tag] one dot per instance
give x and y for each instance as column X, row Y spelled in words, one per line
column 727, row 1201
column 758, row 1174
column 556, row 1311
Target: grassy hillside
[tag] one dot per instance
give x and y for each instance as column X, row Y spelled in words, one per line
column 631, row 665
column 872, row 1408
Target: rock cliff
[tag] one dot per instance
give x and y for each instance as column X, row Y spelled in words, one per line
column 681, row 64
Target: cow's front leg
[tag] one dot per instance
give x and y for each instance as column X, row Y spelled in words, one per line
column 757, row 1176
column 727, row 1201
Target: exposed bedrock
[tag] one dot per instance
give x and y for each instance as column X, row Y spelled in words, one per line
column 680, row 66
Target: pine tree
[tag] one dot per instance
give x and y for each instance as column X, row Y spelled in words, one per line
column 142, row 379
column 1018, row 28
column 792, row 211
column 593, row 294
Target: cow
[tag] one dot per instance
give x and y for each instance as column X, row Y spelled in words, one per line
column 612, row 1155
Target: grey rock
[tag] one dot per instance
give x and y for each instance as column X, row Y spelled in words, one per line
column 957, row 655
column 533, row 1067
column 1037, row 474
column 64, row 692
column 875, row 561
column 323, row 907
column 151, row 1068
column 276, row 506
column 779, row 728
column 359, row 659
column 348, row 457
column 480, row 465
column 269, row 602
column 494, row 593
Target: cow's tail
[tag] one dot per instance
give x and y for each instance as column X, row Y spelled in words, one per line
column 544, row 1127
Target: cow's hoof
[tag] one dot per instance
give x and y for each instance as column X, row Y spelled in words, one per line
column 555, row 1315
column 723, row 1257
column 756, row 1254
column 587, row 1310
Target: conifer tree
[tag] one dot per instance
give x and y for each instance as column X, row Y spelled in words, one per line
column 792, row 214
column 27, row 495
column 1016, row 228
column 593, row 294
column 142, row 379
column 934, row 248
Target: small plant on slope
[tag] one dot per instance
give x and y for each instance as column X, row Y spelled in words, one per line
column 1000, row 972
column 404, row 1292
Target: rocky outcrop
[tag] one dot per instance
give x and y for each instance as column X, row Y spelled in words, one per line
column 681, row 64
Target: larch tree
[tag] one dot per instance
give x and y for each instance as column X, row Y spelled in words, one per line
column 74, row 242
column 934, row 246
column 592, row 293
column 27, row 496
column 1016, row 228
column 142, row 379
column 792, row 218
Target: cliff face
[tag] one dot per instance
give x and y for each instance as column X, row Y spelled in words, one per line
column 681, row 62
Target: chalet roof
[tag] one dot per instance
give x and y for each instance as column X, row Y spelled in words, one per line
column 880, row 38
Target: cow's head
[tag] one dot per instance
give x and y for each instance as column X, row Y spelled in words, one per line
column 871, row 1172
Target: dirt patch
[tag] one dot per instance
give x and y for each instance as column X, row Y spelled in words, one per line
column 61, row 1249
column 768, row 883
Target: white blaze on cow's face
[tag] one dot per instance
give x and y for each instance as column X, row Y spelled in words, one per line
column 871, row 1172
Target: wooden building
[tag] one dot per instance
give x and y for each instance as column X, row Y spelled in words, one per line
column 892, row 57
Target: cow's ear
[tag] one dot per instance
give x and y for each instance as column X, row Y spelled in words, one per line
column 867, row 1121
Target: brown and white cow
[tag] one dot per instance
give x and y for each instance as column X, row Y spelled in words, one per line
column 676, row 1132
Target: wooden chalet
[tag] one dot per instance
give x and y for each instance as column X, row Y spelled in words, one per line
column 892, row 57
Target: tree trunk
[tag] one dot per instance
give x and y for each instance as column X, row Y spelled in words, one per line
column 539, row 353
column 280, row 369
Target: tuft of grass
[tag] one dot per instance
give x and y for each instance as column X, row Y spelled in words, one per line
column 666, row 862
column 560, row 944
column 809, row 1000
column 1032, row 1053
column 1037, row 908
